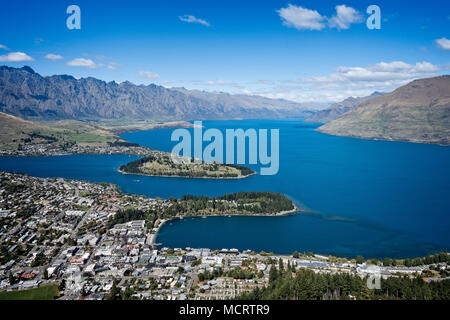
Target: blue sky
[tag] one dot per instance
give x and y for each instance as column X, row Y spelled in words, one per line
column 307, row 51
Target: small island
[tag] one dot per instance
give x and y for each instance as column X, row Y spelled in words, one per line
column 161, row 164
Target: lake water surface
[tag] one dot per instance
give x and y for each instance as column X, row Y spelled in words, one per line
column 373, row 198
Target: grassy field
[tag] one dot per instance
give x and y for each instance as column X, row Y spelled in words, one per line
column 202, row 170
column 15, row 131
column 162, row 165
column 120, row 126
column 42, row 293
column 81, row 133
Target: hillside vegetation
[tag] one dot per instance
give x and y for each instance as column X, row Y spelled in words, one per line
column 417, row 112
column 15, row 131
column 286, row 284
column 241, row 203
column 26, row 94
column 162, row 165
column 338, row 109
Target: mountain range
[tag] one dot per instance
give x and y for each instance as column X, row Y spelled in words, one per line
column 416, row 112
column 26, row 94
column 338, row 109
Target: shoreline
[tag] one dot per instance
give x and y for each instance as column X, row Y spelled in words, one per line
column 278, row 214
column 185, row 177
column 36, row 155
column 382, row 138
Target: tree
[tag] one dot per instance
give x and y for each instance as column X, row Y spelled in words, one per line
column 273, row 274
column 359, row 259
column 180, row 270
column 62, row 285
column 127, row 294
column 387, row 262
column 408, row 262
column 12, row 279
column 114, row 293
column 84, row 292
column 280, row 264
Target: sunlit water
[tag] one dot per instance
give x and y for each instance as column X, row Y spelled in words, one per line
column 373, row 198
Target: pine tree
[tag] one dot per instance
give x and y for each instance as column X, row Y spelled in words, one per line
column 11, row 278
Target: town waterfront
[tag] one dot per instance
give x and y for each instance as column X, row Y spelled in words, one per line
column 373, row 198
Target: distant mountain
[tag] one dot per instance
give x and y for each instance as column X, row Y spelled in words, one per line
column 28, row 95
column 338, row 109
column 416, row 112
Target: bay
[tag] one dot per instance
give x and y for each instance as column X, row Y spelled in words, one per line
column 361, row 197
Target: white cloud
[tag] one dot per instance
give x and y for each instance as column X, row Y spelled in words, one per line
column 4, row 47
column 307, row 19
column 112, row 66
column 148, row 75
column 191, row 19
column 345, row 16
column 443, row 43
column 53, row 57
column 97, row 61
column 392, row 71
column 222, row 83
column 15, row 57
column 344, row 82
column 350, row 81
column 81, row 62
column 301, row 18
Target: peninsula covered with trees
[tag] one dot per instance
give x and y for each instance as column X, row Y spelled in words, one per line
column 241, row 203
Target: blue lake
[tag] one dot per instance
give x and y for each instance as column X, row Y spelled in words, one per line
column 373, row 198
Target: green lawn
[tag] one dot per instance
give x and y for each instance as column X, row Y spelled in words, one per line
column 42, row 293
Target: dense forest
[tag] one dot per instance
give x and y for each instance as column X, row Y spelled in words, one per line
column 122, row 144
column 304, row 284
column 231, row 204
column 243, row 202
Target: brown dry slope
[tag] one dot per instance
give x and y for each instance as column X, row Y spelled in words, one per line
column 15, row 131
column 416, row 112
